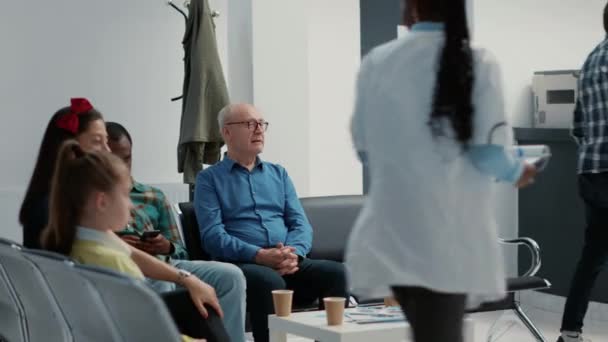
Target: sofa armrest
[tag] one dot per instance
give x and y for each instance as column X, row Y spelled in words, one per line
column 534, row 249
column 191, row 234
column 178, row 216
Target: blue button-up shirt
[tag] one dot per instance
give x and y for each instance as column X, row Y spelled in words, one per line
column 241, row 211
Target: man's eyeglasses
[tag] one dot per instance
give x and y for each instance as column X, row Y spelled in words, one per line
column 251, row 125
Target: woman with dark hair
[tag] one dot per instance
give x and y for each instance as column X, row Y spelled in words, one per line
column 79, row 121
column 429, row 122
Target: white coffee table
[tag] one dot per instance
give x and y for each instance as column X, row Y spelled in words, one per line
column 313, row 325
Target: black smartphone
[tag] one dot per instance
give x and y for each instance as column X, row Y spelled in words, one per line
column 149, row 234
column 128, row 232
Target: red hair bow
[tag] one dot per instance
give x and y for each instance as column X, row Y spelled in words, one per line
column 70, row 121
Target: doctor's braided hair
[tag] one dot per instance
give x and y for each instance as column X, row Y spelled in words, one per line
column 454, row 85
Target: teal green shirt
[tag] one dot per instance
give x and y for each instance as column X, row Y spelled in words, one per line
column 152, row 211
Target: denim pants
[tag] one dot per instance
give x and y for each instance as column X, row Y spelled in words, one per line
column 593, row 188
column 229, row 284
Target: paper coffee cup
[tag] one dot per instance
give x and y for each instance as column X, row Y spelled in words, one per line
column 334, row 308
column 390, row 301
column 282, row 302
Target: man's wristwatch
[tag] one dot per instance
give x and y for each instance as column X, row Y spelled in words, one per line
column 182, row 275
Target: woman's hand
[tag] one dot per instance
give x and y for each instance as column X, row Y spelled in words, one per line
column 202, row 294
column 527, row 177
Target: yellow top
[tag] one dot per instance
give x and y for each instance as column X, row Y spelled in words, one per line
column 95, row 253
column 104, row 249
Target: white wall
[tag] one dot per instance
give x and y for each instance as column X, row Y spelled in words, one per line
column 126, row 56
column 240, row 51
column 280, row 83
column 304, row 66
column 334, row 46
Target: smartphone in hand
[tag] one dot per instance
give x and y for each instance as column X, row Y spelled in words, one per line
column 149, row 234
column 128, row 233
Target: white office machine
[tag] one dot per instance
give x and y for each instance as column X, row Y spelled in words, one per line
column 554, row 98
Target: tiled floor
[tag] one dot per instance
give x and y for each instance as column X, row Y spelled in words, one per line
column 547, row 322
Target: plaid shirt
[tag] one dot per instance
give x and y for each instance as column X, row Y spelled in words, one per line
column 590, row 128
column 151, row 211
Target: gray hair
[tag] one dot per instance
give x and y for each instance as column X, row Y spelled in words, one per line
column 224, row 114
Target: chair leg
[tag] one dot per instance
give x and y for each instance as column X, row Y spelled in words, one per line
column 528, row 323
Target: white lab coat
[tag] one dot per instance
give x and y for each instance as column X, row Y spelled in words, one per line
column 428, row 218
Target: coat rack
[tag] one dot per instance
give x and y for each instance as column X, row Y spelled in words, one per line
column 214, row 13
column 175, row 7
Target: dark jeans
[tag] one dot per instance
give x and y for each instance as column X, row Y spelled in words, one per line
column 189, row 320
column 315, row 279
column 433, row 316
column 593, row 189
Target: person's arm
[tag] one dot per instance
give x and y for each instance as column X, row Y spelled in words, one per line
column 495, row 161
column 578, row 124
column 491, row 132
column 168, row 228
column 216, row 241
column 153, row 268
column 299, row 233
column 168, row 241
column 200, row 291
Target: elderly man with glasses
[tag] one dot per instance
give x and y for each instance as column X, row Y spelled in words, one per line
column 249, row 214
